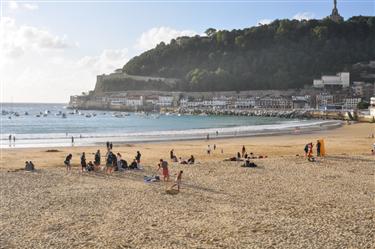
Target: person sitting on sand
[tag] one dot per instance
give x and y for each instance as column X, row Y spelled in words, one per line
column 29, row 166
column 164, row 166
column 119, row 162
column 67, row 163
column 233, row 159
column 32, row 166
column 178, row 181
column 83, row 162
column 238, row 155
column 191, row 160
column 90, row 166
column 182, row 161
column 134, row 164
column 249, row 164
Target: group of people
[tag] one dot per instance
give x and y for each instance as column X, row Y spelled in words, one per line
column 174, row 158
column 214, row 148
column 308, row 149
column 29, row 166
column 113, row 162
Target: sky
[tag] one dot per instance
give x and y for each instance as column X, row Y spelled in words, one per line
column 51, row 49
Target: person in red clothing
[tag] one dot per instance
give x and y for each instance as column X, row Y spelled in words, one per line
column 164, row 166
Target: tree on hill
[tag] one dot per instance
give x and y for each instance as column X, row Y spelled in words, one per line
column 283, row 54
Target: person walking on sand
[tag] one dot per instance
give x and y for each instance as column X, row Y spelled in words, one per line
column 318, row 145
column 10, row 138
column 178, row 181
column 164, row 166
column 243, row 150
column 67, row 163
column 83, row 162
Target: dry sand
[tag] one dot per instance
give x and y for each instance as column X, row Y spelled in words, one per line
column 286, row 202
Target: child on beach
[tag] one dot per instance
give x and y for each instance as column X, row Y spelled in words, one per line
column 178, row 181
column 67, row 163
column 109, row 162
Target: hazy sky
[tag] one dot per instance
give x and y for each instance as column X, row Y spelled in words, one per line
column 50, row 50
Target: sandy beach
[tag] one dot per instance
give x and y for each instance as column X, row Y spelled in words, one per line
column 286, row 202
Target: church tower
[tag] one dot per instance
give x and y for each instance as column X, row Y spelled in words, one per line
column 335, row 16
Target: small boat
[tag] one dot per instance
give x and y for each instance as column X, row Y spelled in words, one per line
column 26, row 113
column 88, row 115
column 16, row 114
column 45, row 115
column 63, row 115
column 38, row 115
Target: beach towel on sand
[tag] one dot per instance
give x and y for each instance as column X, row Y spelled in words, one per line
column 148, row 179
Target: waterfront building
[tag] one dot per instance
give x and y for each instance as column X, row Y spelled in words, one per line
column 323, row 100
column 274, row 103
column 244, row 103
column 165, row 101
column 301, row 102
column 351, row 103
column 372, row 106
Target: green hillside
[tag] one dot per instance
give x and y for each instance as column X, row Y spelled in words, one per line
column 284, row 54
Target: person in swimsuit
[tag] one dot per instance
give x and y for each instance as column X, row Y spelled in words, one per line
column 164, row 166
column 67, row 163
column 178, row 181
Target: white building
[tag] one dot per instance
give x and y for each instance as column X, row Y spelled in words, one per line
column 244, row 103
column 341, row 79
column 372, row 106
column 351, row 103
column 134, row 101
column 165, row 101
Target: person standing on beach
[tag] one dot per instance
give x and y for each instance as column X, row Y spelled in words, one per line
column 171, row 154
column 306, row 149
column 83, row 162
column 214, row 146
column 318, row 144
column 97, row 159
column 243, row 150
column 110, row 145
column 67, row 163
column 208, row 150
column 138, row 158
column 164, row 166
column 109, row 162
column 208, row 136
column 107, row 145
column 10, row 138
column 72, row 140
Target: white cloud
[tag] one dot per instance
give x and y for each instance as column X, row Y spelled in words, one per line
column 30, row 6
column 106, row 62
column 14, row 5
column 264, row 21
column 15, row 39
column 154, row 36
column 304, row 16
column 38, row 66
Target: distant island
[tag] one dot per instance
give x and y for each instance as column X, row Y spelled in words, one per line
column 281, row 55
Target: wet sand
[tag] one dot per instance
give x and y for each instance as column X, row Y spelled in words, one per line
column 286, row 202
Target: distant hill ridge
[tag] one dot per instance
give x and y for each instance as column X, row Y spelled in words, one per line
column 281, row 55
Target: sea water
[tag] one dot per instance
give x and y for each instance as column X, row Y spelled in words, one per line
column 48, row 125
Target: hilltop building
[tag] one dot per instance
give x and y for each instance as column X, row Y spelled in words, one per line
column 335, row 16
column 340, row 80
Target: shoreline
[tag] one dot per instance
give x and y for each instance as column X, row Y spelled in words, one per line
column 185, row 135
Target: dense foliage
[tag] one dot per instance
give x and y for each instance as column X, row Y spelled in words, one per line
column 283, row 54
